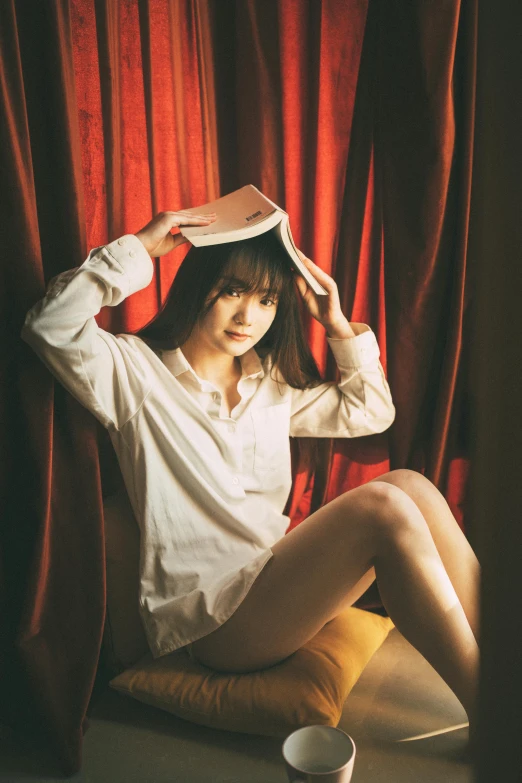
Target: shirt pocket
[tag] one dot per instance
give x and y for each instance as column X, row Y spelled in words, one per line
column 272, row 438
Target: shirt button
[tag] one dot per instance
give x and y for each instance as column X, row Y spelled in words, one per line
column 132, row 253
column 235, row 480
column 121, row 241
column 231, row 427
column 215, row 396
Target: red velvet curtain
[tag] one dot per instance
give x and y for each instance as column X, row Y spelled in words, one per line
column 355, row 116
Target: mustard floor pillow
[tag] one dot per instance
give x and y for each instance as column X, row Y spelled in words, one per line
column 309, row 687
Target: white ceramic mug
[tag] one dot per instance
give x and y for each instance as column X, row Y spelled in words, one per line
column 319, row 753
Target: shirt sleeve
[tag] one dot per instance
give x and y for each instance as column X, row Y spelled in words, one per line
column 105, row 373
column 360, row 404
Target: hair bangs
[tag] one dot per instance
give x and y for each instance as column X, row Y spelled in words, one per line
column 256, row 268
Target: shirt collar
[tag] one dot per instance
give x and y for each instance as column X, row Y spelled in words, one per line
column 178, row 364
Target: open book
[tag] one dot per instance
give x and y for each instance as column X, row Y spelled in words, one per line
column 242, row 214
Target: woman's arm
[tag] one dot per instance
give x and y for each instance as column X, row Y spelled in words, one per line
column 106, row 373
column 361, row 403
column 102, row 371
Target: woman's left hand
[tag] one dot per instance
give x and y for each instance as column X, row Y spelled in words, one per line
column 325, row 309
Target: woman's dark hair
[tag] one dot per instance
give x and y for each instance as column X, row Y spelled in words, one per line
column 262, row 263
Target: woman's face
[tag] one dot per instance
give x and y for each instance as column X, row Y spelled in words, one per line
column 238, row 319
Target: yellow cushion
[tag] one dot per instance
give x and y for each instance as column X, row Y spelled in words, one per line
column 309, row 687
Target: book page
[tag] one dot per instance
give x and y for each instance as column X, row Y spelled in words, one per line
column 283, row 233
column 238, row 210
column 245, row 232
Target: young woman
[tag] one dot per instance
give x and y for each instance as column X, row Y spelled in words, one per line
column 200, row 405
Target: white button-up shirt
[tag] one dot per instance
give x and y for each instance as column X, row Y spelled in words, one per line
column 207, row 488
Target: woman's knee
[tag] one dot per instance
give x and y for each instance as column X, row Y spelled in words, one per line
column 388, row 510
column 410, row 481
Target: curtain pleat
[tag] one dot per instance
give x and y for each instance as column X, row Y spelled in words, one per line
column 355, row 116
column 52, row 535
column 424, row 162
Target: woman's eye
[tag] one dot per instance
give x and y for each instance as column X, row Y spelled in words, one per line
column 229, row 291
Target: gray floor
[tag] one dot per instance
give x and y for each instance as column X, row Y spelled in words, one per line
column 398, row 697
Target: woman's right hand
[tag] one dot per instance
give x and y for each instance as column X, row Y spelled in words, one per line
column 156, row 236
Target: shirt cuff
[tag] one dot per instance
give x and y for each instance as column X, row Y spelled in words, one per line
column 355, row 351
column 131, row 255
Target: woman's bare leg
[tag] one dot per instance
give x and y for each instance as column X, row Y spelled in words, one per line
column 459, row 559
column 317, row 564
column 453, row 547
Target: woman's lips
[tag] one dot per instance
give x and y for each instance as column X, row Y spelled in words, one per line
column 237, row 336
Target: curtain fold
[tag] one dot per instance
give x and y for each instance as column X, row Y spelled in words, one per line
column 356, row 116
column 426, row 85
column 52, row 536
